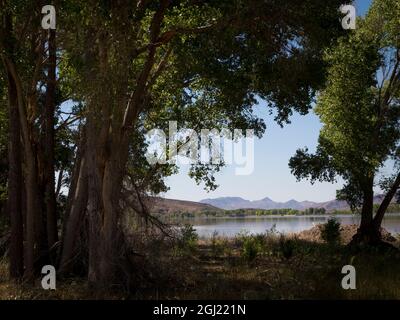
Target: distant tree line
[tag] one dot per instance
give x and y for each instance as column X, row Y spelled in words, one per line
column 392, row 208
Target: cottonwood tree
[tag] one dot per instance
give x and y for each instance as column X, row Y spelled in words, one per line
column 28, row 56
column 128, row 59
column 130, row 65
column 3, row 155
column 360, row 109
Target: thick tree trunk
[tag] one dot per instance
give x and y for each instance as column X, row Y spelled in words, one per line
column 110, row 195
column 109, row 125
column 50, row 199
column 32, row 203
column 367, row 209
column 366, row 233
column 73, row 223
column 94, row 209
column 30, row 176
column 102, row 212
column 15, row 185
column 75, row 208
column 370, row 227
column 26, row 103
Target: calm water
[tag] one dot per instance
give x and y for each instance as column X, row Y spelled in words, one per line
column 229, row 227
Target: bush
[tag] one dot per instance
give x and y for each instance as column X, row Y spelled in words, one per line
column 188, row 238
column 219, row 245
column 286, row 247
column 252, row 247
column 330, row 231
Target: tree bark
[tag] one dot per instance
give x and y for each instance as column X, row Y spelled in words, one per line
column 14, row 201
column 74, row 221
column 30, row 176
column 377, row 222
column 50, row 198
column 15, row 185
column 95, row 209
column 366, row 233
column 367, row 208
column 110, row 121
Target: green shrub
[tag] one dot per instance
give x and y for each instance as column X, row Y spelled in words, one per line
column 219, row 245
column 252, row 247
column 250, row 250
column 286, row 247
column 188, row 238
column 330, row 231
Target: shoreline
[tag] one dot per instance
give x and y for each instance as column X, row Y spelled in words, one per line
column 394, row 214
column 312, row 235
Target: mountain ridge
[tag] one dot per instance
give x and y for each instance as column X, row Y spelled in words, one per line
column 266, row 203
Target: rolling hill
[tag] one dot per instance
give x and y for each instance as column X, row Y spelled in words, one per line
column 169, row 206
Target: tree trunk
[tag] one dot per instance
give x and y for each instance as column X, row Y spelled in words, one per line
column 109, row 124
column 366, row 233
column 50, row 199
column 74, row 220
column 30, row 175
column 94, row 210
column 32, row 215
column 104, row 180
column 15, row 185
column 109, row 227
column 367, row 209
column 377, row 222
column 75, row 208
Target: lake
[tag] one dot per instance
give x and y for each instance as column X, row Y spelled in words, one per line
column 230, row 226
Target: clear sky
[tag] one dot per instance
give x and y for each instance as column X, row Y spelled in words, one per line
column 271, row 177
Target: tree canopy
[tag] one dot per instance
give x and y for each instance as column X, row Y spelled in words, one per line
column 359, row 108
column 123, row 67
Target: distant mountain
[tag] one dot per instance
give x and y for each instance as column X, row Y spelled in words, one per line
column 228, row 203
column 169, row 206
column 232, row 203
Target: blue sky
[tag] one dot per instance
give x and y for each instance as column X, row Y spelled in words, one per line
column 271, row 177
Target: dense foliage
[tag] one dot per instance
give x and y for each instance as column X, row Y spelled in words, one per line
column 360, row 112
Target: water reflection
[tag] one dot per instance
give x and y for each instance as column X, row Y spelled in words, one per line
column 229, row 227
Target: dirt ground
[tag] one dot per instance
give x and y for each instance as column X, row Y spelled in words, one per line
column 346, row 234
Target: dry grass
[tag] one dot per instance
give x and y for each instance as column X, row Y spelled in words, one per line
column 283, row 268
column 70, row 289
column 313, row 271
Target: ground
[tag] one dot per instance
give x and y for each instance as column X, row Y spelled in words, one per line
column 267, row 266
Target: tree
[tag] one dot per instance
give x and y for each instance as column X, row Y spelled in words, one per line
column 28, row 56
column 128, row 66
column 4, row 218
column 49, row 141
column 130, row 60
column 14, row 204
column 359, row 109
